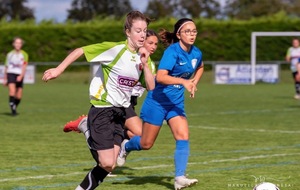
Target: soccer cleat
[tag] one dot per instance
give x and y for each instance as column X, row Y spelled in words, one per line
column 297, row 96
column 183, row 182
column 122, row 154
column 110, row 174
column 75, row 125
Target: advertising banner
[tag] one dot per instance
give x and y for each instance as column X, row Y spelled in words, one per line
column 241, row 73
column 29, row 77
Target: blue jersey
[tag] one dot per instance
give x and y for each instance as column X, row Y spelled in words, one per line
column 181, row 64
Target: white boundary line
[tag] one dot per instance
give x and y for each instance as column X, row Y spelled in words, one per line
column 233, row 112
column 155, row 166
column 41, row 177
column 249, row 130
column 220, row 161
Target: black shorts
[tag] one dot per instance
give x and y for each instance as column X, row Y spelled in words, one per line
column 294, row 74
column 133, row 101
column 130, row 112
column 12, row 78
column 106, row 127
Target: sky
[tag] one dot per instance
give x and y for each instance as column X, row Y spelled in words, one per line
column 57, row 9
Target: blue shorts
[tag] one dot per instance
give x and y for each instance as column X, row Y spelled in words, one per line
column 155, row 113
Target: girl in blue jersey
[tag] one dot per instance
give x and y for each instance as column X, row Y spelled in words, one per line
column 180, row 61
column 110, row 92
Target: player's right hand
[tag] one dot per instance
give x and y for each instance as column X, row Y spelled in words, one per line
column 51, row 74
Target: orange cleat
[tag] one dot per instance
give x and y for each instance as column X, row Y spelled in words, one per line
column 73, row 125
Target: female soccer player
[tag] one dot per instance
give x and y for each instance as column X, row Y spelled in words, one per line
column 292, row 56
column 133, row 123
column 14, row 72
column 180, row 61
column 110, row 91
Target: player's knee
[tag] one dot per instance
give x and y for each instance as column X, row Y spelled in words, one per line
column 146, row 145
column 108, row 165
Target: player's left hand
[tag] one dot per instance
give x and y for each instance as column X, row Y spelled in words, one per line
column 191, row 87
column 144, row 55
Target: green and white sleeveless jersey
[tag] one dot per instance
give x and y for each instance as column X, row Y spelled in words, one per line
column 15, row 60
column 294, row 54
column 119, row 72
column 139, row 88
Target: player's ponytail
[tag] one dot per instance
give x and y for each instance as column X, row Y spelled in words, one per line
column 167, row 38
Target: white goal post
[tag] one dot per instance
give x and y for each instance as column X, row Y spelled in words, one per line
column 254, row 35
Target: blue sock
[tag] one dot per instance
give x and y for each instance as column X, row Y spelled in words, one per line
column 181, row 156
column 133, row 144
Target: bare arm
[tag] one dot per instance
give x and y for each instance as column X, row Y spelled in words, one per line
column 288, row 58
column 149, row 77
column 55, row 72
column 163, row 77
column 21, row 76
column 198, row 74
column 190, row 84
column 5, row 76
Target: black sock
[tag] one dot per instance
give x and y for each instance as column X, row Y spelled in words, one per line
column 12, row 104
column 297, row 87
column 17, row 101
column 126, row 134
column 94, row 178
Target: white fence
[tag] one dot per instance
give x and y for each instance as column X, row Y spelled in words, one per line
column 225, row 72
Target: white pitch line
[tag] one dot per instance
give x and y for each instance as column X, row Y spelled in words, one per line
column 234, row 112
column 154, row 167
column 251, row 130
column 41, row 177
column 219, row 161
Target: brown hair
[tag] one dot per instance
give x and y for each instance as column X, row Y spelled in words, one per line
column 134, row 15
column 168, row 38
column 16, row 38
column 151, row 33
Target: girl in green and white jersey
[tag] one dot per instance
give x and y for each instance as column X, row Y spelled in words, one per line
column 110, row 91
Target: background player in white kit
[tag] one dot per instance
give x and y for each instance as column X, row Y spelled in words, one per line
column 14, row 72
column 293, row 56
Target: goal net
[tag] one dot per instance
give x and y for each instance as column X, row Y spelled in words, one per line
column 254, row 36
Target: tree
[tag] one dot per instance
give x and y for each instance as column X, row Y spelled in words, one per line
column 15, row 9
column 160, row 9
column 82, row 10
column 203, row 8
column 183, row 8
column 246, row 9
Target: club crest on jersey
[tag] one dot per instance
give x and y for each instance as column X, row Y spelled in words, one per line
column 194, row 62
column 133, row 58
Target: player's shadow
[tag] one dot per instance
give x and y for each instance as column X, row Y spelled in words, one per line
column 165, row 181
column 138, row 180
column 6, row 113
column 117, row 171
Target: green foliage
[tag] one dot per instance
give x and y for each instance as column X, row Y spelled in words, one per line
column 219, row 40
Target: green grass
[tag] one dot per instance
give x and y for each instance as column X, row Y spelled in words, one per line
column 240, row 135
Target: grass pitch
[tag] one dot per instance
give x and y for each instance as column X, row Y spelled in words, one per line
column 240, row 135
